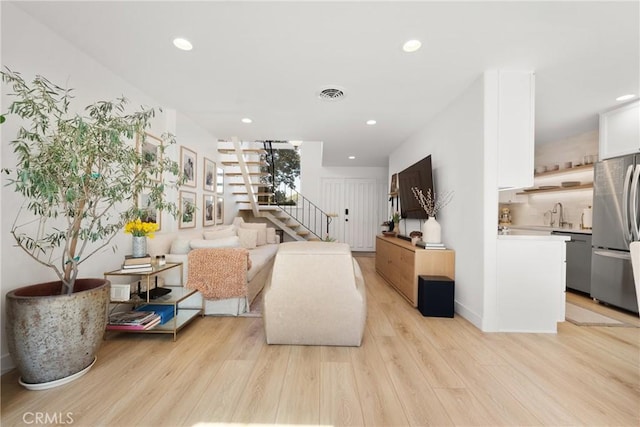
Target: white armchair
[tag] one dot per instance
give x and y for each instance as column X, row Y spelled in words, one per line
column 316, row 296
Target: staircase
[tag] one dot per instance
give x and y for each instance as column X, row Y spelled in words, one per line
column 256, row 192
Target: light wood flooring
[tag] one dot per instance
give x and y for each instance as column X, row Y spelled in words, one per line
column 410, row 370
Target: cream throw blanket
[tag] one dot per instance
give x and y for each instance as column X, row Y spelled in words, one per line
column 219, row 273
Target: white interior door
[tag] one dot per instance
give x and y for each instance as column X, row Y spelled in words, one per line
column 355, row 201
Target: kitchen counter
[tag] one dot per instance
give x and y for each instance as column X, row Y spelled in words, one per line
column 547, row 229
column 531, row 235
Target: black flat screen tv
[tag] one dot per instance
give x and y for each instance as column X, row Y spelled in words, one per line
column 417, row 175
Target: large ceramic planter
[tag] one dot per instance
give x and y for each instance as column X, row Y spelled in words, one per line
column 52, row 337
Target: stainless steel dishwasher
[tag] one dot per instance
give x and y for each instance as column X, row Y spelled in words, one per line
column 578, row 261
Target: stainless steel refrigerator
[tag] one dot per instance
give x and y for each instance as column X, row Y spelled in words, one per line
column 616, row 223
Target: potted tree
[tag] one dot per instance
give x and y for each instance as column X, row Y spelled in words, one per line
column 79, row 176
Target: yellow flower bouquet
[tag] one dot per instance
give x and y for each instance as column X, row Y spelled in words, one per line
column 141, row 229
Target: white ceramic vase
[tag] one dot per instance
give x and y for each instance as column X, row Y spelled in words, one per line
column 139, row 247
column 431, row 231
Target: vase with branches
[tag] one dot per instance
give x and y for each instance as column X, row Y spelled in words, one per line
column 431, row 230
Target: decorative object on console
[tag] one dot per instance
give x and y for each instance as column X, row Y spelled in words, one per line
column 188, row 161
column 431, row 230
column 415, row 237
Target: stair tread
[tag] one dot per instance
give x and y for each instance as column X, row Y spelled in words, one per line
column 244, row 193
column 251, row 183
column 250, row 173
column 250, row 163
column 244, row 150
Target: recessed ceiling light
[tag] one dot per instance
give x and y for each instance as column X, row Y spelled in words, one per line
column 626, row 97
column 352, row 157
column 371, row 122
column 247, row 120
column 182, row 44
column 411, row 45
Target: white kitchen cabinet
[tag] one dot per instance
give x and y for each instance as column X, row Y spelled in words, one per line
column 620, row 131
column 516, row 103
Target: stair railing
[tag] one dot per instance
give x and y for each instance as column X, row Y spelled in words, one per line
column 294, row 204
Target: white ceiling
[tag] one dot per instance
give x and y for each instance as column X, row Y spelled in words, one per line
column 266, row 60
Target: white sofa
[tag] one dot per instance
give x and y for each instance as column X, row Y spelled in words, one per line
column 177, row 245
column 316, row 296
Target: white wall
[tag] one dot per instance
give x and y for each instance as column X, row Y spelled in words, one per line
column 31, row 48
column 454, row 139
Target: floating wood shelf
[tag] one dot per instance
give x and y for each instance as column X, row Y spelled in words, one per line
column 581, row 168
column 556, row 189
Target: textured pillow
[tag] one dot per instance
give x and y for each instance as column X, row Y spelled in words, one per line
column 219, row 234
column 180, row 247
column 261, row 227
column 248, row 238
column 237, row 221
column 271, row 235
column 223, row 242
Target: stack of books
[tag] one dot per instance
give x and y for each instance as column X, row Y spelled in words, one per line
column 431, row 245
column 133, row 320
column 136, row 265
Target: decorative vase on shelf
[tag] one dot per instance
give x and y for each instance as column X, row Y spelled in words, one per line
column 431, row 231
column 139, row 248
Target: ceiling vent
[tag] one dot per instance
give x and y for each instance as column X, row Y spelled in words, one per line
column 331, row 93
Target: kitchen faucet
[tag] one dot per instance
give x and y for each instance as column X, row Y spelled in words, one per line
column 561, row 221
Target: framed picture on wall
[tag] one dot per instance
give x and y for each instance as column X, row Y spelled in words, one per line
column 148, row 213
column 150, row 147
column 219, row 210
column 393, row 188
column 187, row 210
column 209, row 175
column 188, row 161
column 220, row 180
column 208, row 210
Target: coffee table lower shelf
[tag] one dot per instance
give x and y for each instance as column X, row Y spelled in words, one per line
column 184, row 317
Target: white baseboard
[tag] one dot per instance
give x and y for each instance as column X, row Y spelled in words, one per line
column 471, row 316
column 7, row 363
